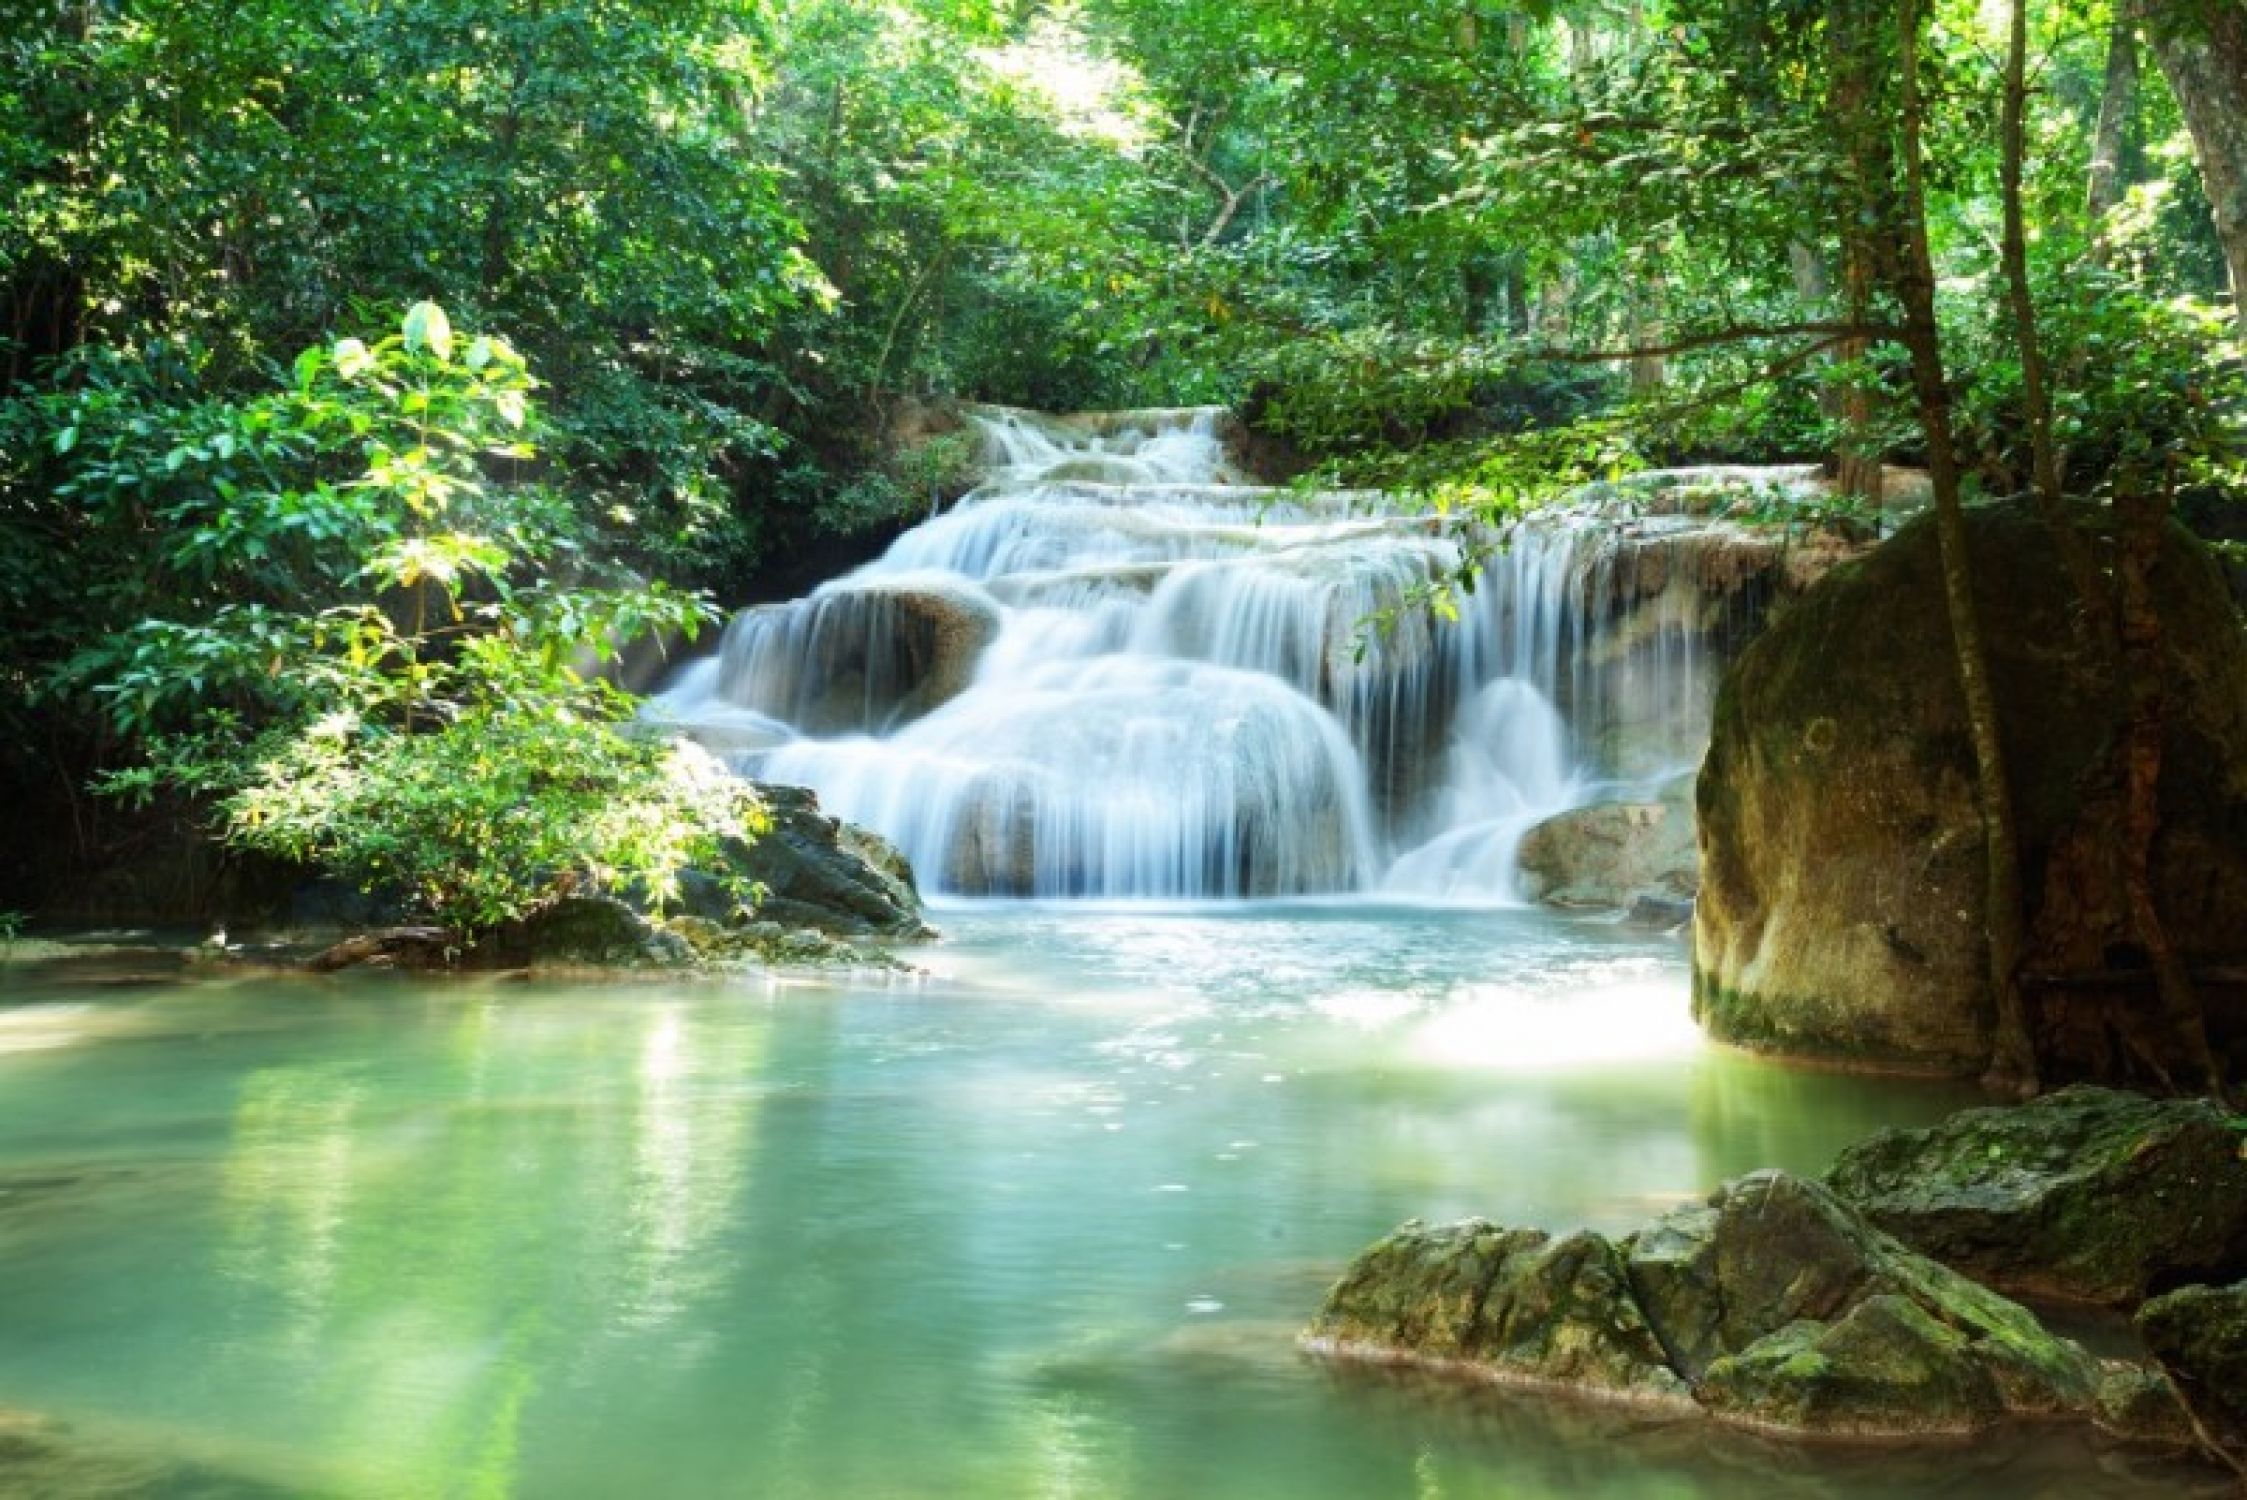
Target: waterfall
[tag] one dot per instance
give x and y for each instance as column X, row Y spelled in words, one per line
column 1118, row 670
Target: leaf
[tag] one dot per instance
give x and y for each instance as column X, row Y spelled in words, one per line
column 428, row 329
column 66, row 440
column 352, row 358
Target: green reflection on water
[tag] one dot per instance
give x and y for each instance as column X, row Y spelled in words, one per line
column 1044, row 1226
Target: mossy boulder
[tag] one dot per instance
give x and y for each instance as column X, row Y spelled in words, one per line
column 2087, row 1193
column 1772, row 1305
column 1884, row 1367
column 1772, row 1251
column 817, row 872
column 1508, row 1304
column 597, row 932
column 1841, row 906
column 2140, row 1403
column 2199, row 1334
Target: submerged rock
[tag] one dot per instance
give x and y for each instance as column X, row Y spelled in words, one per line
column 1772, row 1304
column 2086, row 1193
column 1840, row 913
column 771, row 945
column 2200, row 1336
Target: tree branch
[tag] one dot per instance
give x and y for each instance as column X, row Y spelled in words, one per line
column 1715, row 338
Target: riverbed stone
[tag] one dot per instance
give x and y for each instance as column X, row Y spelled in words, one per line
column 1509, row 1304
column 2199, row 1334
column 2087, row 1193
column 1885, row 1368
column 1615, row 855
column 1841, row 905
column 2139, row 1402
column 1772, row 1250
column 594, row 932
column 816, row 872
column 1771, row 1304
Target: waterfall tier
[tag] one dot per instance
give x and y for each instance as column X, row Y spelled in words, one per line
column 1119, row 670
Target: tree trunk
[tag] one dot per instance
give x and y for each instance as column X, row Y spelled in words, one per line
column 1856, row 68
column 2012, row 1053
column 2203, row 53
column 1649, row 317
column 2048, row 475
column 2114, row 143
column 2044, row 462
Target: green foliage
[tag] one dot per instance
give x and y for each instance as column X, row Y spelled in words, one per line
column 513, row 800
column 380, row 675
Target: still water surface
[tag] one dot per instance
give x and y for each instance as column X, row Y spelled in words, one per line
column 1042, row 1224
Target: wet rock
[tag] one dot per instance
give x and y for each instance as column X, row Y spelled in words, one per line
column 1884, row 1368
column 2139, row 1403
column 1508, row 1304
column 858, row 657
column 1772, row 1250
column 1842, row 886
column 770, row 945
column 594, row 932
column 1661, row 913
column 2086, row 1193
column 817, row 872
column 1771, row 1305
column 1612, row 855
column 2200, row 1336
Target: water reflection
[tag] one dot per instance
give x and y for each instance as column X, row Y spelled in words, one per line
column 1045, row 1226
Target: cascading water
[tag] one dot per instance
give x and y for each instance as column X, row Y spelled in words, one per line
column 1117, row 671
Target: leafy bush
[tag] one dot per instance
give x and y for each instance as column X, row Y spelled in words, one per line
column 505, row 807
column 389, row 690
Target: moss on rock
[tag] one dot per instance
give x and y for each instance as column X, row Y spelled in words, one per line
column 1772, row 1305
column 1840, row 914
column 2087, row 1193
column 2199, row 1334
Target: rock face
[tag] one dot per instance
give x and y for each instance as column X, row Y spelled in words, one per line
column 1840, row 914
column 592, row 932
column 1614, row 855
column 1513, row 1304
column 861, row 656
column 2087, row 1194
column 820, row 873
column 1677, row 573
column 1772, row 1305
column 2200, row 1336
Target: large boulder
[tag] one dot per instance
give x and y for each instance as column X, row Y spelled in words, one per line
column 1615, row 855
column 2199, row 1334
column 1770, row 1305
column 1509, row 1304
column 595, row 932
column 817, row 872
column 2087, row 1194
column 863, row 655
column 1841, row 906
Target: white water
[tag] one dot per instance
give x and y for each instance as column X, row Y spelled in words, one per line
column 1115, row 672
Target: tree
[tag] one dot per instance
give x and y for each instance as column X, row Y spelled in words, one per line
column 2202, row 47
